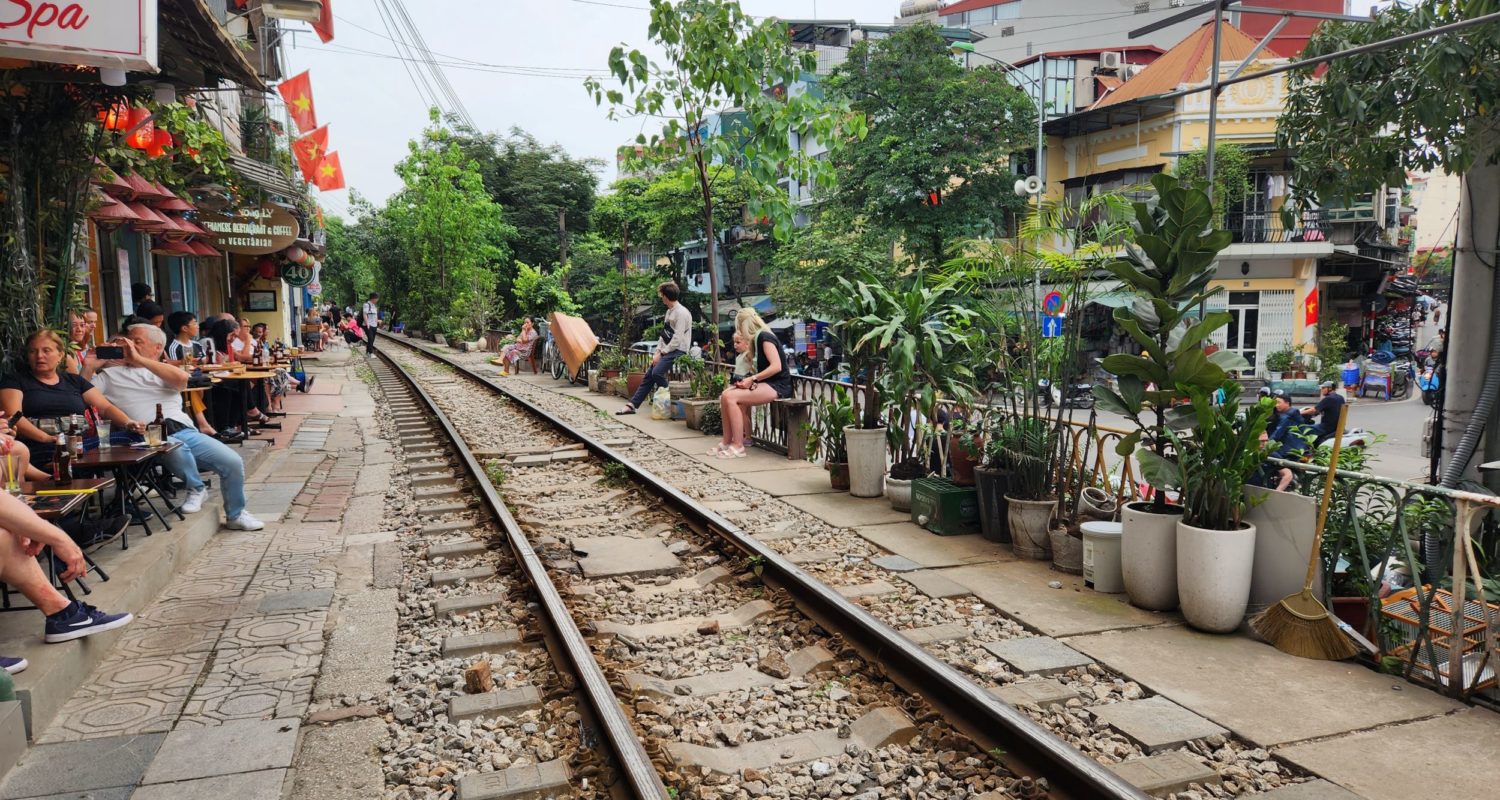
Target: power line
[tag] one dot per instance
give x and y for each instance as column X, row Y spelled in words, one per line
column 410, row 73
column 439, row 76
column 498, row 69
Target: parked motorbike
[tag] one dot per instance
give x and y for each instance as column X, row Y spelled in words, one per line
column 1080, row 395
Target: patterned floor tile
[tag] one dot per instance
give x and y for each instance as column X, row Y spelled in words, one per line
column 211, row 706
column 186, row 612
column 251, row 665
column 92, row 717
column 145, row 639
column 144, row 673
column 218, row 569
column 206, row 588
column 293, row 628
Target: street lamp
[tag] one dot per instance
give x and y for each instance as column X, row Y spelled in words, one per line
column 967, row 48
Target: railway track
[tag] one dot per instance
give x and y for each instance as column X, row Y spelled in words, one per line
column 698, row 661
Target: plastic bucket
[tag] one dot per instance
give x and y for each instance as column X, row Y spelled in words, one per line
column 1101, row 556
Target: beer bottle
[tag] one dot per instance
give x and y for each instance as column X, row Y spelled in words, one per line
column 161, row 425
column 62, row 463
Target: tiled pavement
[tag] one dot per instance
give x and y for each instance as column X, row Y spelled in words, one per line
column 205, row 692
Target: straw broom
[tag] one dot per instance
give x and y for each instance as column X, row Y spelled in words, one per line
column 1299, row 625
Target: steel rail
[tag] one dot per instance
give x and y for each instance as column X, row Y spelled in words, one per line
column 629, row 752
column 981, row 714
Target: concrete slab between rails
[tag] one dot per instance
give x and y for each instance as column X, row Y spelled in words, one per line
column 1041, row 694
column 1165, row 773
column 1260, row 693
column 1156, row 723
column 1037, row 655
column 740, row 617
column 451, row 526
column 1457, row 755
column 465, row 547
column 461, row 605
column 707, row 577
column 804, row 661
column 531, row 782
column 453, row 577
column 871, row 589
column 606, row 556
column 486, row 704
column 946, row 632
column 492, row 642
column 877, row 728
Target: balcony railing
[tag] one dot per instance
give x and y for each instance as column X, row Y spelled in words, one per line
column 1268, row 227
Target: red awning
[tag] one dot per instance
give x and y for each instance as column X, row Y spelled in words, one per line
column 111, row 211
column 188, row 225
column 169, row 247
column 109, row 180
column 204, row 250
column 149, row 221
column 174, row 203
column 142, row 189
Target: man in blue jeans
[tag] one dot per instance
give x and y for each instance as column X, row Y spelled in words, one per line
column 139, row 384
column 676, row 338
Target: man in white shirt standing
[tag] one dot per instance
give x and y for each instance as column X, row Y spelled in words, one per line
column 676, row 338
column 138, row 384
column 371, row 318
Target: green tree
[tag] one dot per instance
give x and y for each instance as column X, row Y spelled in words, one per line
column 349, row 269
column 540, row 293
column 453, row 234
column 1231, row 175
column 936, row 132
column 717, row 57
column 833, row 244
column 533, row 182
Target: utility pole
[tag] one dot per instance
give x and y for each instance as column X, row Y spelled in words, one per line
column 562, row 244
column 624, row 280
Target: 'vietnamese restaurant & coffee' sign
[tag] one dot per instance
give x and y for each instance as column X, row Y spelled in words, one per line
column 252, row 231
column 93, row 33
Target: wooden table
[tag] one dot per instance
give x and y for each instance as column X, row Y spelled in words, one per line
column 72, row 502
column 131, row 466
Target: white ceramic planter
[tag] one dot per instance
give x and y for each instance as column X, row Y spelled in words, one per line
column 1148, row 557
column 1030, row 521
column 866, row 460
column 898, row 492
column 1213, row 576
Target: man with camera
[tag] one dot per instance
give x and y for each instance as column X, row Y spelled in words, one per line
column 138, row 383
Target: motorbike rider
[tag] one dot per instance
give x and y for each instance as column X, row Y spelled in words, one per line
column 1327, row 410
column 1290, row 430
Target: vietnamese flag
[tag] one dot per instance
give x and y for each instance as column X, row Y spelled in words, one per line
column 297, row 92
column 309, row 150
column 330, row 174
column 1310, row 315
column 324, row 25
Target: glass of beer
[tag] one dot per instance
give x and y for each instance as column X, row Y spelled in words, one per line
column 153, row 436
column 104, row 427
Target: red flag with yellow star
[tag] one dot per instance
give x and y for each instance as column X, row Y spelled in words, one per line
column 1310, row 308
column 309, row 150
column 297, row 92
column 330, row 174
column 324, row 25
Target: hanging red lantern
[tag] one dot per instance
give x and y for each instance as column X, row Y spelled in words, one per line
column 265, row 267
column 116, row 117
column 294, row 254
column 142, row 132
column 160, row 141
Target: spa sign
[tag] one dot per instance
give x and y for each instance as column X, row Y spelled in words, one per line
column 252, row 231
column 94, row 33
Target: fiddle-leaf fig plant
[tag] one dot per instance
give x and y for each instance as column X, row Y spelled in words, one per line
column 1167, row 266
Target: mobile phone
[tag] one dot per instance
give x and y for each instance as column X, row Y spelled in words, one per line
column 11, row 423
column 110, row 352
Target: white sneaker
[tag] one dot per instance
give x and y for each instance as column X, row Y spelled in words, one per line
column 194, row 501
column 244, row 522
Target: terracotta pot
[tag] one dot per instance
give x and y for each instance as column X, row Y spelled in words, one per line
column 963, row 463
column 838, row 476
column 633, row 382
column 1355, row 612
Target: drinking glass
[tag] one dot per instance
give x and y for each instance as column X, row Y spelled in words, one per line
column 153, row 436
column 104, row 427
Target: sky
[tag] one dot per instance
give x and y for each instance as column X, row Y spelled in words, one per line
column 512, row 63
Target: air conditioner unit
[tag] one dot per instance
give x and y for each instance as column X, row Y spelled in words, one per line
column 1111, row 61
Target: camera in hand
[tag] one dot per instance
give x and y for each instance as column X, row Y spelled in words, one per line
column 110, row 352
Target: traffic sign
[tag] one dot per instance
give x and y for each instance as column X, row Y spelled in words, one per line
column 1052, row 304
column 1052, row 327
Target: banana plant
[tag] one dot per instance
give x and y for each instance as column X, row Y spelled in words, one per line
column 1168, row 264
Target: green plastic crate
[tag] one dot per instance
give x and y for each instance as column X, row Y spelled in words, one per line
column 949, row 509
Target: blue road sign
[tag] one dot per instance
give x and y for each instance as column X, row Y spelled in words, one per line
column 1052, row 327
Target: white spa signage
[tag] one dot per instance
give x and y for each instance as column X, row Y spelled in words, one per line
column 94, row 33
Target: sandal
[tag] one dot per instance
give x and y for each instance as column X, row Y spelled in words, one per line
column 718, row 450
column 730, row 452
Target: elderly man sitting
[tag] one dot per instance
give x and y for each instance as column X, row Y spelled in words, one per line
column 141, row 382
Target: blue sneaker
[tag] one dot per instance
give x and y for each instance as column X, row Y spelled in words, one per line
column 13, row 665
column 81, row 619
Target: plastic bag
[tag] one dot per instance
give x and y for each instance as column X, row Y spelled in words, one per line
column 661, row 404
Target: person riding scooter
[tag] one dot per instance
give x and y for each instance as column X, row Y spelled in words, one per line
column 1328, row 406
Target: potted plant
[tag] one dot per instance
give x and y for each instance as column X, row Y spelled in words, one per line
column 965, row 449
column 1167, row 266
column 1215, row 457
column 679, row 383
column 611, row 362
column 825, row 436
column 704, row 387
column 864, row 441
column 993, row 483
column 1030, row 444
column 1279, row 363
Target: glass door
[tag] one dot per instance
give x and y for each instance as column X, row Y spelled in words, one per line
column 1243, row 332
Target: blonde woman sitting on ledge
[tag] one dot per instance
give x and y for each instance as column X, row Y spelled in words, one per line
column 770, row 380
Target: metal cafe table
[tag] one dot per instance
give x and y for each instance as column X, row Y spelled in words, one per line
column 132, row 466
column 55, row 508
